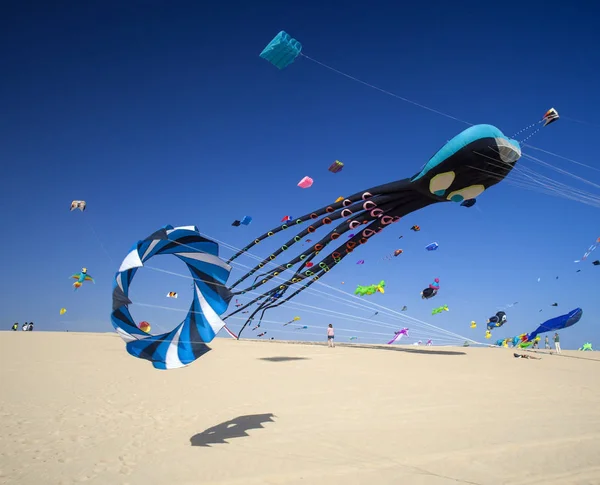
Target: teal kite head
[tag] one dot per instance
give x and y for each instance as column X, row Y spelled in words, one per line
column 470, row 163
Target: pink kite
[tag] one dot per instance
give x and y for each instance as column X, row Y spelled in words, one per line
column 305, row 183
column 399, row 335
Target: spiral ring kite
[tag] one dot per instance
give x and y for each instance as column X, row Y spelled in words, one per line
column 187, row 341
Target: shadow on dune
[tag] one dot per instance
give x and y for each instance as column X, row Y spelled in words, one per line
column 282, row 359
column 404, row 349
column 235, row 428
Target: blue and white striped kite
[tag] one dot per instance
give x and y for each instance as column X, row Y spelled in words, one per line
column 187, row 341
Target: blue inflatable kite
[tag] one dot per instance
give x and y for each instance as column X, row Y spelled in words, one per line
column 187, row 341
column 557, row 323
column 282, row 50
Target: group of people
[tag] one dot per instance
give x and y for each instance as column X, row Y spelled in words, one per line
column 27, row 327
column 547, row 343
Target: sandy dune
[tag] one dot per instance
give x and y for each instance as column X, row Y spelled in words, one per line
column 77, row 408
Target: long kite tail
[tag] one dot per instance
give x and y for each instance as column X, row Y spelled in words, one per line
column 364, row 196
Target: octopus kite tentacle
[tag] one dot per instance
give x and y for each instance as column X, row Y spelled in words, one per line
column 386, row 189
column 347, row 212
column 310, row 253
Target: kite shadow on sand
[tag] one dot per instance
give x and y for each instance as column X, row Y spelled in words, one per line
column 404, row 349
column 282, row 359
column 235, row 428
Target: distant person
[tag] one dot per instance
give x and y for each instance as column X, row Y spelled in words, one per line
column 30, row 327
column 15, row 327
column 330, row 336
column 547, row 343
column 25, row 327
column 557, row 343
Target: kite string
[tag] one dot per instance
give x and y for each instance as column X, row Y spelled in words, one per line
column 331, row 313
column 389, row 310
column 389, row 93
column 441, row 113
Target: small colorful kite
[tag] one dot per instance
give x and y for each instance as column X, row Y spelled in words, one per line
column 295, row 319
column 440, row 309
column 589, row 251
column 432, row 247
column 63, row 311
column 81, row 277
column 550, row 117
column 497, row 320
column 78, row 204
column 246, row 220
column 145, row 327
column 301, row 328
column 415, row 228
column 404, row 308
column 282, row 50
column 398, row 335
column 336, row 166
column 286, row 218
column 172, row 294
column 371, row 289
column 473, row 324
column 305, row 183
column 339, row 199
column 432, row 290
column 360, row 261
column 586, row 347
column 395, row 254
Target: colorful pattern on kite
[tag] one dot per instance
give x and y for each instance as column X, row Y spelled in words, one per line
column 187, row 341
column 282, row 50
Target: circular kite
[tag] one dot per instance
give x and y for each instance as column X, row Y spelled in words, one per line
column 187, row 341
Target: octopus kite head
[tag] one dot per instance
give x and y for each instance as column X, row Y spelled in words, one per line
column 474, row 160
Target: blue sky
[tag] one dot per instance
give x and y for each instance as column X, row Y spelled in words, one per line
column 162, row 113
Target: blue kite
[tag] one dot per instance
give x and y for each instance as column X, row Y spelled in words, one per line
column 432, row 247
column 557, row 323
column 282, row 50
column 187, row 341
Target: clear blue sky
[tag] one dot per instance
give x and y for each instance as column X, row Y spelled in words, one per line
column 162, row 112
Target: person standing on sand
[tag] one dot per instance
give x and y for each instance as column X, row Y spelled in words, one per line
column 25, row 327
column 547, row 343
column 15, row 326
column 557, row 343
column 330, row 336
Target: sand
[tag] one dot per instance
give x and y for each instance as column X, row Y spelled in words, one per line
column 76, row 408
